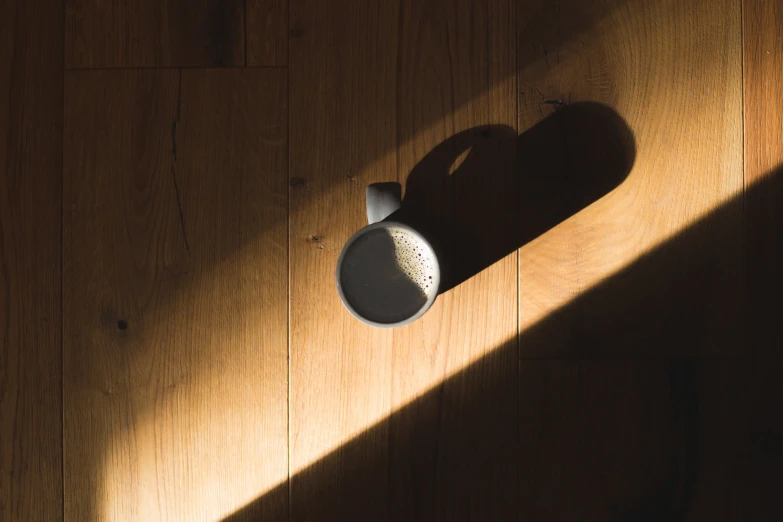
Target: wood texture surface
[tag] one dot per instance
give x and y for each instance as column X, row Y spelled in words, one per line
column 175, row 249
column 622, row 365
column 751, row 390
column 673, row 71
column 154, row 33
column 443, row 68
column 267, row 33
column 763, row 76
column 30, row 292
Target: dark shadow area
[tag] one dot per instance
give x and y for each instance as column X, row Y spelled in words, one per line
column 485, row 192
column 614, row 439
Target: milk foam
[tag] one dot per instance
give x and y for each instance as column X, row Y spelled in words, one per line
column 388, row 274
column 414, row 258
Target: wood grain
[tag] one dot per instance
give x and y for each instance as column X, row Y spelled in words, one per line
column 175, row 372
column 152, row 33
column 31, row 54
column 267, row 33
column 672, row 70
column 369, row 99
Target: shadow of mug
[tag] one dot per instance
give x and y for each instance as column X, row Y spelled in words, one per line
column 485, row 192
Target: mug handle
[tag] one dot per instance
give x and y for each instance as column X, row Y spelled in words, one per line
column 383, row 199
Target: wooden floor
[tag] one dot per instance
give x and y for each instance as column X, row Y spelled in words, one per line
column 177, row 179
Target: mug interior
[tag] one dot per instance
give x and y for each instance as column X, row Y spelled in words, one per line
column 387, row 274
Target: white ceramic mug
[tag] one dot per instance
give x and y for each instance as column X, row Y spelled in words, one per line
column 387, row 274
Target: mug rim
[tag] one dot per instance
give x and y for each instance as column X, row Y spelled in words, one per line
column 436, row 276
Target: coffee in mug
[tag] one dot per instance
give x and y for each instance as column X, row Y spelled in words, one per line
column 387, row 273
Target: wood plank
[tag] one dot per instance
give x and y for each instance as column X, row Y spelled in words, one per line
column 153, row 33
column 369, row 100
column 31, row 55
column 339, row 369
column 763, row 72
column 267, row 33
column 456, row 78
column 744, row 400
column 175, row 249
column 342, row 137
column 672, row 70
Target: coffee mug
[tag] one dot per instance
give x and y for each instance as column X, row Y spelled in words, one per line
column 387, row 274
